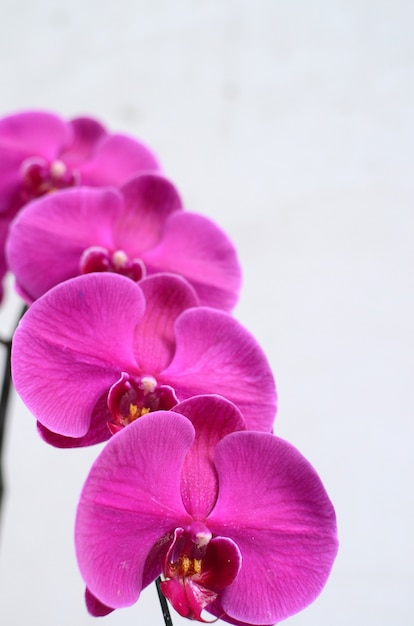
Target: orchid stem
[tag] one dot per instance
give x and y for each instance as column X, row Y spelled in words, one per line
column 4, row 400
column 164, row 605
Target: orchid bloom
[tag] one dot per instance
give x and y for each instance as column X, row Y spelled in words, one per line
column 237, row 522
column 40, row 152
column 136, row 231
column 124, row 349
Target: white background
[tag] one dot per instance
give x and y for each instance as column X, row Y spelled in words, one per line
column 290, row 123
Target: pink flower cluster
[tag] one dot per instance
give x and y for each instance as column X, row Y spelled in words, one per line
column 129, row 338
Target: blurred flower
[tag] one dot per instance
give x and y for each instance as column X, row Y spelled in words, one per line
column 40, row 152
column 137, row 231
column 98, row 351
column 237, row 522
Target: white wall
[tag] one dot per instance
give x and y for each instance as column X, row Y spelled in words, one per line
column 291, row 124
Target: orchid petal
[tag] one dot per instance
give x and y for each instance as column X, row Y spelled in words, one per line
column 117, row 159
column 149, row 199
column 125, row 507
column 98, row 429
column 10, row 183
column 216, row 354
column 48, row 238
column 273, row 505
column 73, row 343
column 187, row 598
column 217, row 610
column 167, row 296
column 36, row 133
column 96, row 608
column 213, row 418
column 196, row 248
column 87, row 133
column 221, row 563
column 155, row 560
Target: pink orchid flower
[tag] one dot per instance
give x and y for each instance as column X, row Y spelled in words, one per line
column 40, row 152
column 136, row 231
column 237, row 522
column 98, row 351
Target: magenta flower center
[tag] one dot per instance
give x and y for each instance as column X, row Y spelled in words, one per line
column 40, row 177
column 196, row 568
column 99, row 259
column 129, row 399
column 185, row 556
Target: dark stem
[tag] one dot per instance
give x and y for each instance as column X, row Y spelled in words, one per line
column 4, row 400
column 164, row 605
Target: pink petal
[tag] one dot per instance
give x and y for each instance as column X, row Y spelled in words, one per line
column 187, row 598
column 10, row 181
column 87, row 133
column 217, row 610
column 213, row 418
column 48, row 238
column 98, row 429
column 72, row 344
column 196, row 248
column 96, row 608
column 35, row 133
column 117, row 158
column 149, row 199
column 221, row 563
column 130, row 501
column 216, row 354
column 167, row 296
column 273, row 505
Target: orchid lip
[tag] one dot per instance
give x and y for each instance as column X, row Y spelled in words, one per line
column 100, row 259
column 40, row 177
column 196, row 567
column 129, row 399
